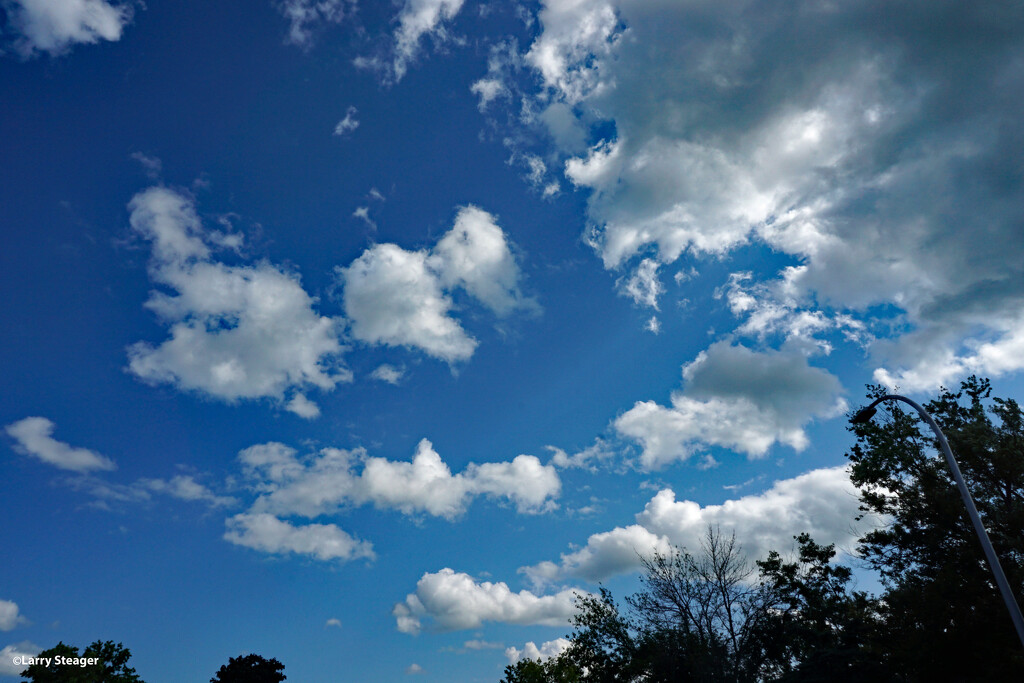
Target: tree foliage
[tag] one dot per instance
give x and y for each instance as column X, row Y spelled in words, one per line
column 250, row 669
column 940, row 595
column 112, row 666
column 712, row 618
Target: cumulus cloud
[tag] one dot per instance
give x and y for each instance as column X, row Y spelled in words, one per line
column 419, row 19
column 16, row 651
column 530, row 651
column 267, row 533
column 822, row 502
column 334, row 478
column 54, row 26
column 455, row 601
column 736, row 398
column 9, row 617
column 236, row 332
column 413, row 669
column 33, row 436
column 347, row 124
column 305, row 17
column 185, row 487
column 863, row 156
column 388, row 373
column 333, row 622
column 588, row 458
column 643, row 286
column 402, row 298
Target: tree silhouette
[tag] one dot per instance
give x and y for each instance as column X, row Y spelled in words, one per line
column 250, row 669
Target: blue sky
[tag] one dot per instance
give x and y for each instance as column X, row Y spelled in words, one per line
column 361, row 335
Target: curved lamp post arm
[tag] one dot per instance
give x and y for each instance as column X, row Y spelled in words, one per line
column 865, row 415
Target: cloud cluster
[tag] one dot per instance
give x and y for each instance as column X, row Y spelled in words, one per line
column 33, row 436
column 403, row 298
column 455, row 601
column 9, row 617
column 821, row 502
column 18, row 651
column 185, row 487
column 306, row 16
column 236, row 332
column 736, row 398
column 879, row 160
column 54, row 26
column 335, row 478
column 267, row 533
column 530, row 651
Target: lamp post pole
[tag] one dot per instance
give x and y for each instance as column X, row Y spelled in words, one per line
column 865, row 415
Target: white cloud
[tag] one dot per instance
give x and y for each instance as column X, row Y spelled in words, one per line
column 55, row 25
column 488, row 89
column 347, row 124
column 413, row 669
column 303, row 407
column 324, row 483
column 388, row 373
column 185, row 487
column 150, row 164
column 822, row 502
column 736, row 398
column 417, row 19
column 393, row 298
column 305, row 16
column 16, row 651
column 333, row 622
column 401, row 298
column 235, row 331
column 547, row 650
column 588, row 458
column 643, row 286
column 455, row 601
column 33, row 435
column 9, row 617
column 475, row 256
column 267, row 533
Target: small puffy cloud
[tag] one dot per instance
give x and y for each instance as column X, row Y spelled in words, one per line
column 588, row 458
column 324, row 483
column 267, row 533
column 455, row 601
column 477, row 644
column 823, row 503
column 151, row 165
column 33, row 436
column 530, row 651
column 347, row 124
column 413, row 669
column 9, row 617
column 303, row 407
column 388, row 373
column 418, row 19
column 185, row 487
column 306, row 16
column 392, row 297
column 475, row 256
column 236, row 332
column 488, row 89
column 643, row 286
column 402, row 298
column 333, row 622
column 54, row 26
column 17, row 651
column 736, row 398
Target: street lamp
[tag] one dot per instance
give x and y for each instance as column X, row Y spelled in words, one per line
column 865, row 415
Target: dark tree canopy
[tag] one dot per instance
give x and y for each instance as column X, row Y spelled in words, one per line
column 940, row 595
column 250, row 669
column 112, row 666
column 709, row 618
